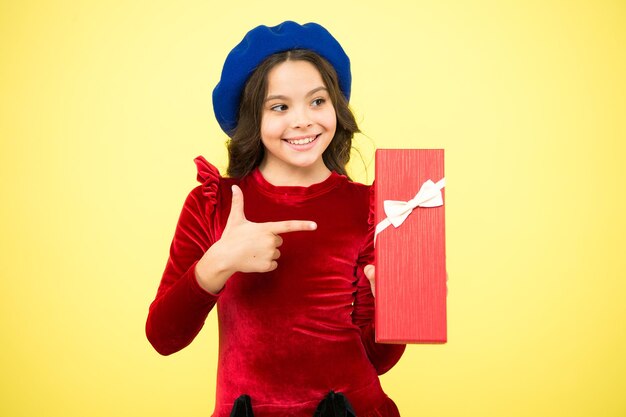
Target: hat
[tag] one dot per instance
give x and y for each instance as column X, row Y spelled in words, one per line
column 260, row 43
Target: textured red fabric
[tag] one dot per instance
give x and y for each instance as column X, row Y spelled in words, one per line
column 286, row 337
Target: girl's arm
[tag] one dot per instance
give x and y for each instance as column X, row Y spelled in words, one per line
column 199, row 266
column 244, row 246
column 382, row 355
column 181, row 305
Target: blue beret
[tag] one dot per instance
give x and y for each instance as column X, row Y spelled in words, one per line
column 260, row 43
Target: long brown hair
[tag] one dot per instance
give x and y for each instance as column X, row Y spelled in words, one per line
column 245, row 149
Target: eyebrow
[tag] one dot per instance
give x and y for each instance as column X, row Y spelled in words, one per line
column 310, row 93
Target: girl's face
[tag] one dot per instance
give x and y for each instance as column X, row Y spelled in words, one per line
column 298, row 120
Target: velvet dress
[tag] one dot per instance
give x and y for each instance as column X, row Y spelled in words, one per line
column 290, row 336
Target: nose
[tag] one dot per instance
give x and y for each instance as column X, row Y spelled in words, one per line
column 301, row 118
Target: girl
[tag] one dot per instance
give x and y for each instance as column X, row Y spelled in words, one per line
column 281, row 243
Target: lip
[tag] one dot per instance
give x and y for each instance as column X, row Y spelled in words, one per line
column 304, row 147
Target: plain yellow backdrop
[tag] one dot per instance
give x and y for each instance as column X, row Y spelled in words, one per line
column 104, row 105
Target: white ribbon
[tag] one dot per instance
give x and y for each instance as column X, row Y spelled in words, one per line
column 429, row 195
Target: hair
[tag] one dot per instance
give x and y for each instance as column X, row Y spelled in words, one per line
column 245, row 149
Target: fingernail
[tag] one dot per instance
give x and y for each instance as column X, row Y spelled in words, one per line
column 313, row 226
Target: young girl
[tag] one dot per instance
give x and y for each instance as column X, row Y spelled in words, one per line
column 281, row 243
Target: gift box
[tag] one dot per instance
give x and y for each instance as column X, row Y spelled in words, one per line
column 410, row 284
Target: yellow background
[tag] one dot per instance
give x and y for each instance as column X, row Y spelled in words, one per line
column 104, row 104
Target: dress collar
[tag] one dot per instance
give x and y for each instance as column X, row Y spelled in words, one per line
column 296, row 191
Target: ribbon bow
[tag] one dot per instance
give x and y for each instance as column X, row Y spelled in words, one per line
column 429, row 195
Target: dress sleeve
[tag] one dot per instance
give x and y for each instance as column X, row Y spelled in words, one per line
column 181, row 305
column 382, row 355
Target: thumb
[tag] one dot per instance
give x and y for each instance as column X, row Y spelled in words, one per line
column 236, row 207
column 369, row 271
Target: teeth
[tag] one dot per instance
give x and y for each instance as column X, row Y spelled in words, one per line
column 302, row 141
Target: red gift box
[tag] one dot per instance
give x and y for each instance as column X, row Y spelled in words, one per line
column 410, row 259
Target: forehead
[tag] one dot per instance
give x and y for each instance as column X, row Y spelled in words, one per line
column 294, row 76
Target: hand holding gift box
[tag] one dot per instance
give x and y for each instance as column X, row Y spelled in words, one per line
column 410, row 256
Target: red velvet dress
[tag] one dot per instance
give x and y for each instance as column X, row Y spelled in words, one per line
column 286, row 337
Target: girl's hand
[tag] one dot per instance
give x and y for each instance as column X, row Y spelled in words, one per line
column 370, row 272
column 245, row 246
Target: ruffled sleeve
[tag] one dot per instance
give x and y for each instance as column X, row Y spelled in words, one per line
column 382, row 356
column 209, row 177
column 181, row 305
column 371, row 218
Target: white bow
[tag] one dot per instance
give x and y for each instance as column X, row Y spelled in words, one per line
column 429, row 195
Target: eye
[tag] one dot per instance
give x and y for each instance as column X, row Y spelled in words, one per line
column 279, row 107
column 318, row 102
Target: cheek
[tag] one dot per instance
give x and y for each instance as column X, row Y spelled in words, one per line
column 324, row 117
column 270, row 127
column 331, row 121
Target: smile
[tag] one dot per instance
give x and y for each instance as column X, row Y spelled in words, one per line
column 302, row 141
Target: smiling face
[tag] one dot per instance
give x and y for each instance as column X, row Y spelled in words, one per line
column 298, row 123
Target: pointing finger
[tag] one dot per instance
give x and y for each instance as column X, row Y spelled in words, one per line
column 291, row 226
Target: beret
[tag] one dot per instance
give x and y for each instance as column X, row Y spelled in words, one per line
column 263, row 41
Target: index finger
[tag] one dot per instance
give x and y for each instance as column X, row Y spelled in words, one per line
column 291, row 226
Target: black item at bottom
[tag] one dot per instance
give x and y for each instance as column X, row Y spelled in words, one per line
column 333, row 405
column 242, row 407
